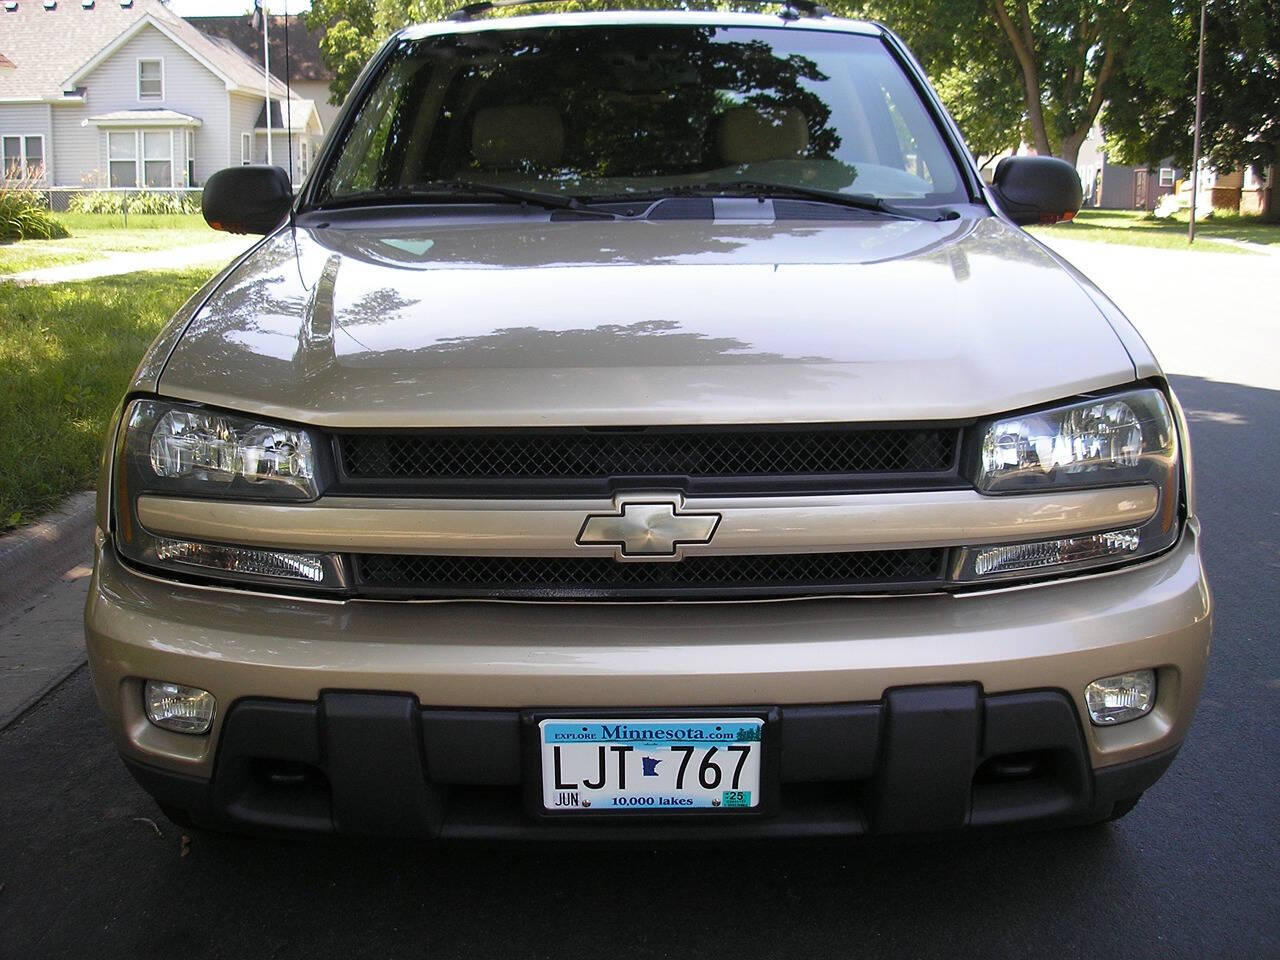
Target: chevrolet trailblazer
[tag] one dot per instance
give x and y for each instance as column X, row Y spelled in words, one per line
column 647, row 425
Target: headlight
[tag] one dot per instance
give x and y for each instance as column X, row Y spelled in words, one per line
column 170, row 449
column 183, row 449
column 1124, row 439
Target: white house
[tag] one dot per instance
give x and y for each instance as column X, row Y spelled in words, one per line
column 124, row 93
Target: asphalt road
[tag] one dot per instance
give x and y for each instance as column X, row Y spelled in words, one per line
column 1192, row 872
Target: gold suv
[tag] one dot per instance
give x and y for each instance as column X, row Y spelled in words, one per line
column 647, row 425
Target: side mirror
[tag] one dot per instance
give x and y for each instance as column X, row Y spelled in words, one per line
column 248, row 199
column 1040, row 190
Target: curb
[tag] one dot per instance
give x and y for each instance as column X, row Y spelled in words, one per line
column 35, row 547
column 56, row 683
column 32, row 560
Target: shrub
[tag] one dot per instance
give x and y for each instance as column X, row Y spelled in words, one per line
column 96, row 202
column 141, row 201
column 23, row 216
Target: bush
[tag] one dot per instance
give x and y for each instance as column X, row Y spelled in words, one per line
column 96, row 202
column 141, row 201
column 23, row 216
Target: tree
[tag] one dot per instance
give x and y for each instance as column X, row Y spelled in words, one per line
column 348, row 38
column 1152, row 109
column 1008, row 70
column 986, row 101
column 353, row 30
column 1060, row 58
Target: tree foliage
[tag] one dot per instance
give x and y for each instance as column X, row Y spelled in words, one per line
column 1152, row 110
column 1008, row 70
column 353, row 30
column 1053, row 61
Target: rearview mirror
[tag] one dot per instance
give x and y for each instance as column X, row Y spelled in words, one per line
column 249, row 199
column 1040, row 190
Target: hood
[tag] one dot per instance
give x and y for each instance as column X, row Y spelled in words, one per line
column 538, row 323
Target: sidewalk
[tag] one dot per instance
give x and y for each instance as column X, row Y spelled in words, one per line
column 44, row 577
column 219, row 252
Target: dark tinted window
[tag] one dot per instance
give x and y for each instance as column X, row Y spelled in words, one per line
column 598, row 111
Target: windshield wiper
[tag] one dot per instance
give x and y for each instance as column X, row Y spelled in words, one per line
column 764, row 189
column 466, row 190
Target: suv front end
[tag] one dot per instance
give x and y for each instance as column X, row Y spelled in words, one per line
column 653, row 518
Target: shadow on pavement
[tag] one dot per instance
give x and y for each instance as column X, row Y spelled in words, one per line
column 1190, row 873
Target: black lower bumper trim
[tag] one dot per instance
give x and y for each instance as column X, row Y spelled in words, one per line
column 923, row 758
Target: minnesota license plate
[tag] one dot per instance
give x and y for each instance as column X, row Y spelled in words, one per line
column 651, row 766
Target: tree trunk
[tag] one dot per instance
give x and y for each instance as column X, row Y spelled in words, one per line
column 1271, row 198
column 1024, row 52
column 1071, row 144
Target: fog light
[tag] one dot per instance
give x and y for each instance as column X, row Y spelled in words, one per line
column 248, row 560
column 178, row 708
column 991, row 561
column 1118, row 699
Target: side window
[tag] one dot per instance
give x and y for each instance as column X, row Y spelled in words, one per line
column 157, row 162
column 35, row 157
column 12, row 158
column 23, row 157
column 122, row 157
column 150, row 79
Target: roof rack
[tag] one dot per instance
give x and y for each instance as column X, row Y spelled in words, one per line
column 791, row 9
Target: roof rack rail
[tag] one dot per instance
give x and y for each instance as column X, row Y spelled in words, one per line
column 791, row 9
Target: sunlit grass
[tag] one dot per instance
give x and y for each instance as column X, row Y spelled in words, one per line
column 94, row 235
column 1137, row 228
column 67, row 353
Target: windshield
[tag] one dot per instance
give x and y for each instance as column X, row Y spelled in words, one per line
column 596, row 112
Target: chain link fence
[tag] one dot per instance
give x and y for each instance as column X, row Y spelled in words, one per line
column 122, row 200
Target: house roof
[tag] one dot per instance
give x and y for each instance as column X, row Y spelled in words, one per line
column 52, row 49
column 299, row 115
column 145, row 118
column 305, row 60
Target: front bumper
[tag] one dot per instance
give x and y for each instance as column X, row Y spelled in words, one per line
column 930, row 699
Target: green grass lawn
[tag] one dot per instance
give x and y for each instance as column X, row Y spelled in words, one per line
column 96, row 234
column 67, row 352
column 1137, row 229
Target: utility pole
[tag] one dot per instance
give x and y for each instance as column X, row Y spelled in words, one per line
column 266, row 83
column 260, row 13
column 1195, row 143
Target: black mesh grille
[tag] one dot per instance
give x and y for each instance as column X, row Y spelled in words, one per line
column 585, row 577
column 594, row 455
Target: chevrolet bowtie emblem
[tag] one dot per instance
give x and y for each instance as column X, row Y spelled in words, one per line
column 648, row 529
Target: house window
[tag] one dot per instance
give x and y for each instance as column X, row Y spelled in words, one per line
column 191, row 158
column 150, row 79
column 1166, row 176
column 122, row 157
column 157, row 158
column 24, row 157
column 246, row 148
column 304, row 157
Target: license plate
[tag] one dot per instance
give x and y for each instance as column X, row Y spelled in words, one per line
column 651, row 766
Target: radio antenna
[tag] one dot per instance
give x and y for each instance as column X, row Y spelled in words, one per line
column 288, row 94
